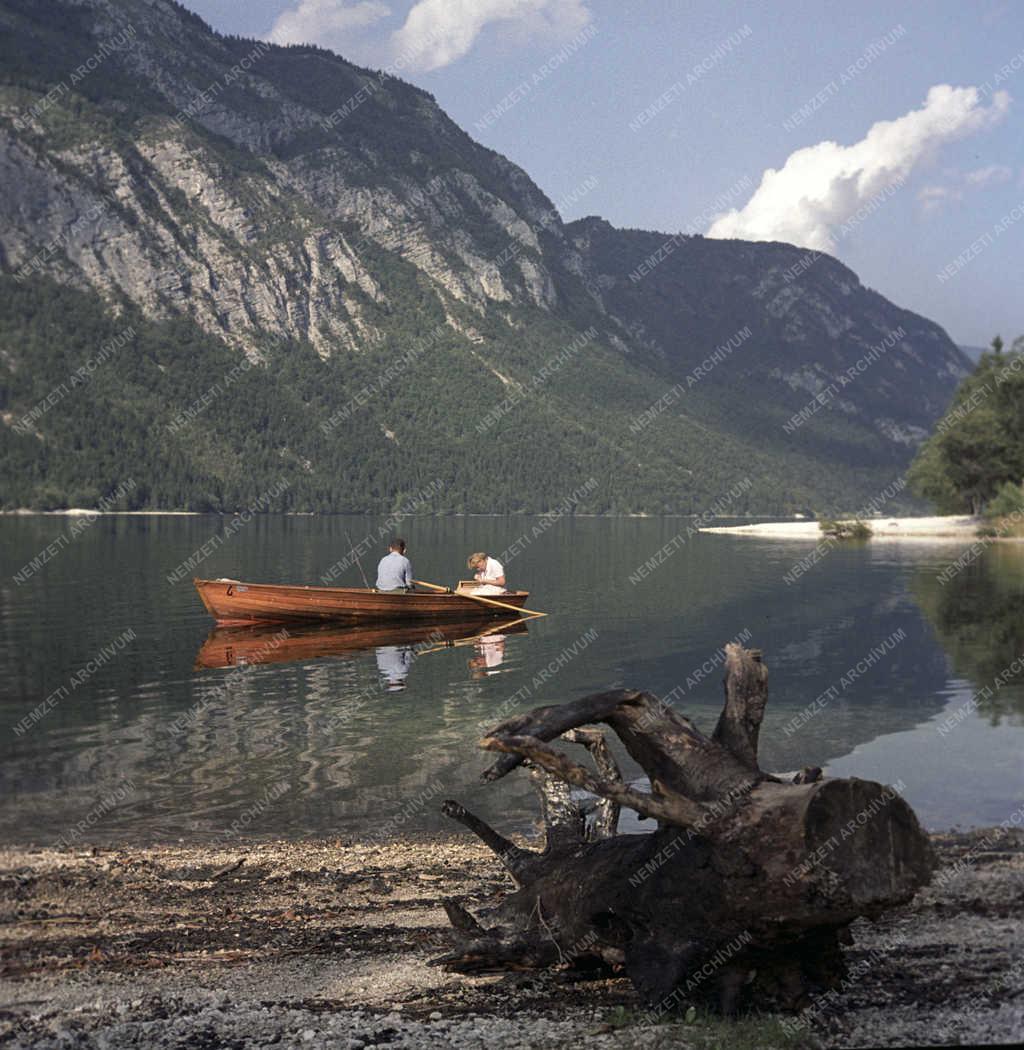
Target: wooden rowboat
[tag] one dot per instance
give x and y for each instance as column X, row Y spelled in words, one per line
column 235, row 602
column 274, row 644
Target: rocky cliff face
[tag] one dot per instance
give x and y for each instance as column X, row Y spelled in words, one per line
column 249, row 187
column 279, row 196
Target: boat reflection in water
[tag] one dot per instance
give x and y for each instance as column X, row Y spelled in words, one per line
column 397, row 645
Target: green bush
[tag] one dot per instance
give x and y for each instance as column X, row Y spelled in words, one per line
column 978, row 446
column 845, row 530
column 1008, row 500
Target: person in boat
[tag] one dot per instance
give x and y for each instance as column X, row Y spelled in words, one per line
column 488, row 572
column 394, row 570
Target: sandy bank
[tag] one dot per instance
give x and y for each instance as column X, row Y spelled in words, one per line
column 327, row 944
column 953, row 528
column 24, row 512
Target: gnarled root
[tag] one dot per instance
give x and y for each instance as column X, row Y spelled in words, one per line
column 743, row 892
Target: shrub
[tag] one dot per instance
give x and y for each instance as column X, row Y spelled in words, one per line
column 1008, row 500
column 845, row 530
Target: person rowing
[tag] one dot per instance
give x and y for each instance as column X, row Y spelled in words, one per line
column 488, row 572
column 394, row 570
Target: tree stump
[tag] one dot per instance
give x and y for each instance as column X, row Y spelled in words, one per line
column 743, row 894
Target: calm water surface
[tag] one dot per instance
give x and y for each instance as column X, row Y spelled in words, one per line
column 148, row 744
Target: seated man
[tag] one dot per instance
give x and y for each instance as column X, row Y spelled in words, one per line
column 394, row 570
column 488, row 572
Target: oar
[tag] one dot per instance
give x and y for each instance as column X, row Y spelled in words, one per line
column 487, row 601
column 504, row 625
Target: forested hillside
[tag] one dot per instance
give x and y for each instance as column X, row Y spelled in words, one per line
column 265, row 263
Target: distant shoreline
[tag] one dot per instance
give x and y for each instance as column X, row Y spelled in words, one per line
column 950, row 528
column 24, row 512
column 956, row 527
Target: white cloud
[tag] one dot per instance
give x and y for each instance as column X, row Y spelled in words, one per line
column 932, row 197
column 992, row 175
column 335, row 24
column 437, row 32
column 821, row 186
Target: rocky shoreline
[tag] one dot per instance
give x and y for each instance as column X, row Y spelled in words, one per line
column 327, row 944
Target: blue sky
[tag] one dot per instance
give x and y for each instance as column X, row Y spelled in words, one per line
column 662, row 115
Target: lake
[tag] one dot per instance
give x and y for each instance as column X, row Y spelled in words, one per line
column 125, row 721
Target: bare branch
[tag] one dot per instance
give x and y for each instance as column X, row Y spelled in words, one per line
column 670, row 809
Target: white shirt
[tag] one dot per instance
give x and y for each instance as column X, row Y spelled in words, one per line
column 492, row 570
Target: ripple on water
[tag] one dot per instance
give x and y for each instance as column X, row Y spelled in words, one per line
column 345, row 743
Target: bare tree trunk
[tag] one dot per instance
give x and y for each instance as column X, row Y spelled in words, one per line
column 742, row 894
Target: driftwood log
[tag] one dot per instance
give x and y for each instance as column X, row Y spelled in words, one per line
column 741, row 897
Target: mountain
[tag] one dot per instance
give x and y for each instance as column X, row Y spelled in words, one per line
column 241, row 275
column 973, row 353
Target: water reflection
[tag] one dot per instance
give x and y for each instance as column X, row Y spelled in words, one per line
column 396, row 645
column 490, row 655
column 394, row 662
column 978, row 614
column 312, row 710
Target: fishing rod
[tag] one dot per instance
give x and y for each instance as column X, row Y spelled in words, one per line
column 353, row 550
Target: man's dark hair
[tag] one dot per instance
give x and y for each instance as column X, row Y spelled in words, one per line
column 397, row 544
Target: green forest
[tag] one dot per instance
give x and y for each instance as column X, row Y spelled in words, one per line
column 172, row 412
column 973, row 463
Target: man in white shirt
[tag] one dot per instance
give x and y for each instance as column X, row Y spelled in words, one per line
column 488, row 572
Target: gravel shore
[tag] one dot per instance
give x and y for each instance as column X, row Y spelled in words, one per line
column 327, row 944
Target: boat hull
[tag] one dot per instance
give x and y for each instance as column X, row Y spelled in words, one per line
column 233, row 602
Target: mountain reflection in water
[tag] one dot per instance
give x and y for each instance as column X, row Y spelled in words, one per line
column 344, row 727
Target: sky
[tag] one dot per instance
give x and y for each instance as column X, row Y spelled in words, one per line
column 890, row 135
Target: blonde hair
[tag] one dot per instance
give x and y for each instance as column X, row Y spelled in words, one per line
column 476, row 559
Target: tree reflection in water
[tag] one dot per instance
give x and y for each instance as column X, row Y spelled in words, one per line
column 978, row 615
